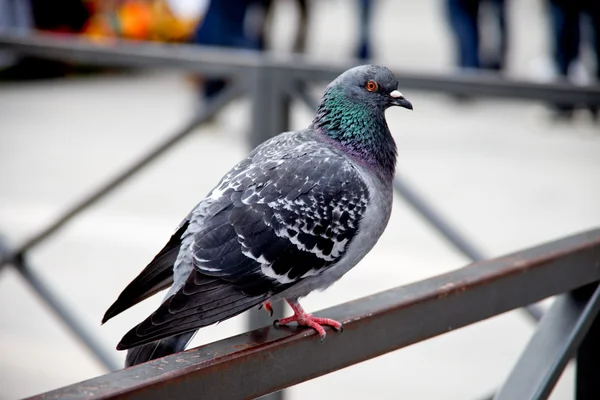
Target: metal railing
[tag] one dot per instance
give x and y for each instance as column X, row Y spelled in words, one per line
column 385, row 322
column 272, row 82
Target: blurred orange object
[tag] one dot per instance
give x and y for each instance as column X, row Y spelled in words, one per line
column 135, row 19
column 168, row 27
column 138, row 20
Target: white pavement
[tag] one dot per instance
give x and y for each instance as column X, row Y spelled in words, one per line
column 502, row 171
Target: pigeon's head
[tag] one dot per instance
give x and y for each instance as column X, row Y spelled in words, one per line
column 352, row 113
column 368, row 85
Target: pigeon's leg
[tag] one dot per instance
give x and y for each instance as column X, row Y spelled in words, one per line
column 303, row 319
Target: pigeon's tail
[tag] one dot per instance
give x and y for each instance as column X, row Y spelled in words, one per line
column 158, row 349
column 201, row 301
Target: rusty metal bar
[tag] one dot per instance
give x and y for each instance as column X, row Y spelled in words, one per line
column 554, row 342
column 269, row 359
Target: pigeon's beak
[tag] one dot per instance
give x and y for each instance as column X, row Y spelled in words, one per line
column 399, row 100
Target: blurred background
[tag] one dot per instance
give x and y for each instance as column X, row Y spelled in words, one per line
column 508, row 174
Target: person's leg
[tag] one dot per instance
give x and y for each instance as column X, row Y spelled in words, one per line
column 504, row 31
column 266, row 8
column 497, row 61
column 364, row 50
column 17, row 16
column 592, row 8
column 565, row 43
column 210, row 32
column 223, row 25
column 462, row 15
column 304, row 12
column 565, row 38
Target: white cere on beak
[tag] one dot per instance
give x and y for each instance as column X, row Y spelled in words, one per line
column 396, row 94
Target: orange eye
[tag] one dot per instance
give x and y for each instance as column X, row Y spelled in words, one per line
column 372, row 86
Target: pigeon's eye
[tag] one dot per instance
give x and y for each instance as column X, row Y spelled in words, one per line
column 371, row 86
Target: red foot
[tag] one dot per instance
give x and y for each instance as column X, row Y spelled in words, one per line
column 304, row 319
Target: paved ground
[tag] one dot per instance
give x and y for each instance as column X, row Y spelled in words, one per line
column 502, row 171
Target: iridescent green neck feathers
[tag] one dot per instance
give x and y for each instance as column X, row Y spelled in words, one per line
column 358, row 128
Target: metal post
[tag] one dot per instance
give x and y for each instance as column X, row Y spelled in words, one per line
column 270, row 109
column 587, row 386
column 270, row 115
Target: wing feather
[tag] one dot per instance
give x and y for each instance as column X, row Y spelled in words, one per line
column 157, row 276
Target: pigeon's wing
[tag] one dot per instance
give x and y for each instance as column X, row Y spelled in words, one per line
column 285, row 219
column 158, row 275
column 273, row 223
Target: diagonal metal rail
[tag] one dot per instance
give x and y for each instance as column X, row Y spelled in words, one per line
column 448, row 232
column 61, row 310
column 66, row 315
column 234, row 91
column 269, row 359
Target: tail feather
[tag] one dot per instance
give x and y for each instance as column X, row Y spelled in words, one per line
column 158, row 349
column 197, row 304
column 158, row 275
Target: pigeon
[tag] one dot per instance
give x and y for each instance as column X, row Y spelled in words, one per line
column 294, row 216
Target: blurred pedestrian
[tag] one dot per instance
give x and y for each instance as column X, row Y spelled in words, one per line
column 467, row 25
column 224, row 26
column 303, row 13
column 462, row 16
column 494, row 47
column 16, row 16
column 364, row 50
column 242, row 24
column 567, row 17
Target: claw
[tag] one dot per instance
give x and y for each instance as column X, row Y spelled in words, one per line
column 304, row 319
